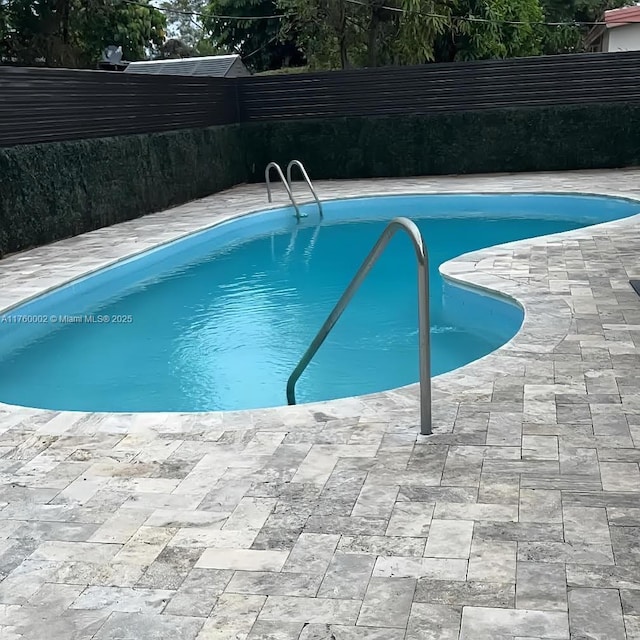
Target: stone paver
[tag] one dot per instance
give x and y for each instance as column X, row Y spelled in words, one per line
column 541, row 586
column 387, row 602
column 519, row 518
column 596, row 613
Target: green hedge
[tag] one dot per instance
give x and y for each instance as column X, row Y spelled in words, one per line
column 57, row 190
column 540, row 139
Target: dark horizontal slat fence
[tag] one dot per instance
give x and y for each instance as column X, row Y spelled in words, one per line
column 470, row 86
column 47, row 105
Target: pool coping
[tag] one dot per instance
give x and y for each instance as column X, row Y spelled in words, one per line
column 547, row 316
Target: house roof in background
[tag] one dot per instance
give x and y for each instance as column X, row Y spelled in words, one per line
column 622, row 16
column 612, row 19
column 218, row 66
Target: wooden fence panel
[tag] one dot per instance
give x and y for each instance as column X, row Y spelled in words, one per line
column 488, row 84
column 46, row 105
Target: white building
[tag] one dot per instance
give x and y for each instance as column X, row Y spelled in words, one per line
column 621, row 31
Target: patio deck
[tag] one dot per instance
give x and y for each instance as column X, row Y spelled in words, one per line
column 518, row 519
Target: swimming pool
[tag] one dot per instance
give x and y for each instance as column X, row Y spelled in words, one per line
column 219, row 320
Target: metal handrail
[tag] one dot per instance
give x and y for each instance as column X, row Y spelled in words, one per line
column 422, row 256
column 305, row 175
column 267, row 179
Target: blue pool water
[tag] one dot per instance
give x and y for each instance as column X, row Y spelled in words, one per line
column 220, row 319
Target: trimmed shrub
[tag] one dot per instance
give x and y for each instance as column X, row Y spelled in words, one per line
column 56, row 190
column 533, row 139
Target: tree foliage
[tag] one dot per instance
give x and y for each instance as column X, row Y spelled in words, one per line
column 73, row 33
column 372, row 32
column 4, row 24
column 291, row 33
column 184, row 23
column 176, row 48
column 500, row 36
column 353, row 33
column 266, row 43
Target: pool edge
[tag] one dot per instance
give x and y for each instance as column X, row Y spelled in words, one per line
column 463, row 269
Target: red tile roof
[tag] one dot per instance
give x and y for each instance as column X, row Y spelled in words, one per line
column 616, row 17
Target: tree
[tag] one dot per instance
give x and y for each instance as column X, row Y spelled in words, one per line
column 184, row 21
column 4, row 30
column 422, row 27
column 374, row 32
column 325, row 30
column 264, row 43
column 138, row 29
column 508, row 29
column 175, row 48
column 343, row 33
column 73, row 33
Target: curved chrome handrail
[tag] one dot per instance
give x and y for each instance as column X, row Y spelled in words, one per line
column 305, row 175
column 422, row 256
column 267, row 179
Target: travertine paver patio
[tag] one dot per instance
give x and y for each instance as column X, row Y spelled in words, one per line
column 519, row 518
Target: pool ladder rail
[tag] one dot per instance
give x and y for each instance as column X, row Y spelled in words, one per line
column 422, row 257
column 288, row 184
